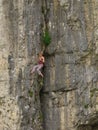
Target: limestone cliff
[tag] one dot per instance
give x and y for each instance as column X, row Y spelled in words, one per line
column 67, row 97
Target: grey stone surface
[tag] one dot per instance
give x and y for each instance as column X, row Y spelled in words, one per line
column 70, row 68
column 68, row 99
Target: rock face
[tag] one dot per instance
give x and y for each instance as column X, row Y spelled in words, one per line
column 68, row 99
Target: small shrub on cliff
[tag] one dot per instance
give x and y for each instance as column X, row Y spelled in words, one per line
column 30, row 93
column 46, row 38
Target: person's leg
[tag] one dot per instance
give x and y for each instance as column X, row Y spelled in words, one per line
column 34, row 68
column 40, row 66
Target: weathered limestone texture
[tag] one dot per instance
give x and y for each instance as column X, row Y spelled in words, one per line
column 70, row 93
column 9, row 110
column 20, row 22
column 69, row 97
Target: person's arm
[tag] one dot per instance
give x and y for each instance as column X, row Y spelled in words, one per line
column 43, row 60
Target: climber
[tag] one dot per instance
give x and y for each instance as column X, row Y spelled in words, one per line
column 40, row 65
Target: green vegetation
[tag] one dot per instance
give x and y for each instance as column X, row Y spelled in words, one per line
column 86, row 106
column 43, row 9
column 93, row 91
column 40, row 116
column 91, row 94
column 46, row 38
column 1, row 102
column 30, row 93
column 40, row 83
